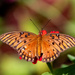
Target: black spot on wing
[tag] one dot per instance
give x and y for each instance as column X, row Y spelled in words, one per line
column 24, row 41
column 57, row 35
column 23, row 48
column 21, row 33
column 52, row 37
column 52, row 43
column 17, row 41
column 25, row 35
column 28, row 34
column 59, row 43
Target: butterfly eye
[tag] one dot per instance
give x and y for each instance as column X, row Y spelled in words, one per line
column 40, row 33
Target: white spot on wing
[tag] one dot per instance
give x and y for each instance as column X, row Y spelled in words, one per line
column 20, row 41
column 25, row 46
column 23, row 49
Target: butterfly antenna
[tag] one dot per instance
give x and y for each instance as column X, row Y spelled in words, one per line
column 46, row 24
column 35, row 25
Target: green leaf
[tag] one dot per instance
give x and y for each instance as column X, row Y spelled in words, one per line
column 64, row 66
column 65, row 74
column 72, row 58
column 47, row 73
column 65, row 71
column 50, row 67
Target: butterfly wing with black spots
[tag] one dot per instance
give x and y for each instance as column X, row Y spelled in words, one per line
column 24, row 42
column 53, row 44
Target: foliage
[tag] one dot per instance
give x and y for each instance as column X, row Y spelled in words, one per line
column 65, row 70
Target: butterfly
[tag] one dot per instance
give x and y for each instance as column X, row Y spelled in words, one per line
column 30, row 46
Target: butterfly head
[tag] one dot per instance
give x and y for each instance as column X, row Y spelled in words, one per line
column 42, row 32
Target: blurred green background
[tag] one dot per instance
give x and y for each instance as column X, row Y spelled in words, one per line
column 16, row 15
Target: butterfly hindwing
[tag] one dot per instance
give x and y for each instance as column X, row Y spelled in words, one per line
column 24, row 42
column 29, row 51
column 53, row 44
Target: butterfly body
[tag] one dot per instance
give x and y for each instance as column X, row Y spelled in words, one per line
column 31, row 46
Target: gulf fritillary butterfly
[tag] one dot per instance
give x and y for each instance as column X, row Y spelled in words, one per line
column 31, row 46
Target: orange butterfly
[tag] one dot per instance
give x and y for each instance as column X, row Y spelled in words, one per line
column 31, row 46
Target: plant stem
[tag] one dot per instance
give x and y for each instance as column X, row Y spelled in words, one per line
column 50, row 67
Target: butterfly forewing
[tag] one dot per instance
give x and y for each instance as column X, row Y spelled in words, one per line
column 53, row 44
column 24, row 42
